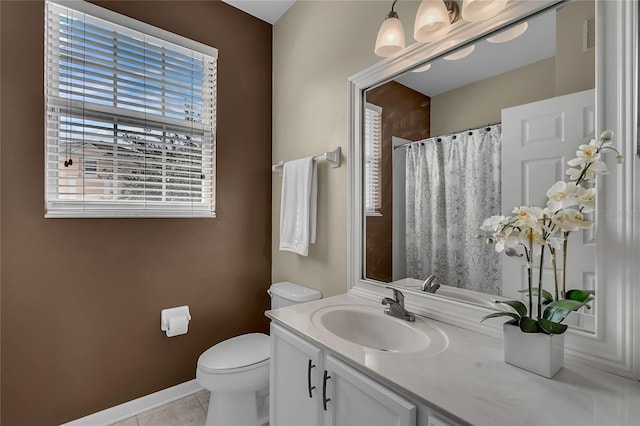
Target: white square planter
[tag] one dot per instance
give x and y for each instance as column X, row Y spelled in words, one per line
column 539, row 353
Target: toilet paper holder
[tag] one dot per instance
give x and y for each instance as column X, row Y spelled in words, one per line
column 167, row 314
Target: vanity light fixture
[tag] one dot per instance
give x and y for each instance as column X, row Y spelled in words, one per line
column 422, row 68
column 462, row 53
column 390, row 38
column 433, row 21
column 509, row 34
column 479, row 10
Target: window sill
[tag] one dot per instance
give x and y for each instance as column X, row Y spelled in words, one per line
column 129, row 215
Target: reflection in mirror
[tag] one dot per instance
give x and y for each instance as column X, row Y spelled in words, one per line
column 486, row 128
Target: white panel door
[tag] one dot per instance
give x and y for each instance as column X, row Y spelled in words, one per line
column 294, row 388
column 352, row 399
column 538, row 140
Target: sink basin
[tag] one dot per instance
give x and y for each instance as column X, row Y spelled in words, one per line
column 371, row 328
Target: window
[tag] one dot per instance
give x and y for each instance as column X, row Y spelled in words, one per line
column 372, row 156
column 90, row 168
column 130, row 117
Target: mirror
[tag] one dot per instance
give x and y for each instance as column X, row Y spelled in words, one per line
column 444, row 149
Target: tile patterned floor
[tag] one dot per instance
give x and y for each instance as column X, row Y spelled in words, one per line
column 187, row 411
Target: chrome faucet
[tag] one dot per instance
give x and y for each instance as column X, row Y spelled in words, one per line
column 395, row 306
column 429, row 285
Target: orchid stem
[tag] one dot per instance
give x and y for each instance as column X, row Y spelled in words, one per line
column 540, row 283
column 555, row 270
column 529, row 272
column 564, row 264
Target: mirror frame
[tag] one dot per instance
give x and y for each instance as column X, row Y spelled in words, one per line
column 612, row 347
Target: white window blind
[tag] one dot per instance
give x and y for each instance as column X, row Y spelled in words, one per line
column 130, row 117
column 372, row 157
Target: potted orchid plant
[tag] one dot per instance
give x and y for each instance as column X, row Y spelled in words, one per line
column 537, row 230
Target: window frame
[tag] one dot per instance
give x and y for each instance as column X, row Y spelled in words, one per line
column 373, row 161
column 56, row 207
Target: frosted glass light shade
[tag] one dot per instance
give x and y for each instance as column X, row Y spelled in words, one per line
column 479, row 10
column 432, row 21
column 462, row 53
column 422, row 68
column 390, row 38
column 510, row 34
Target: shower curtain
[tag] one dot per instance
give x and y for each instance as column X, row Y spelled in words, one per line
column 452, row 185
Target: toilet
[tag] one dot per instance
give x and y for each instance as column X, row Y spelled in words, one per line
column 236, row 371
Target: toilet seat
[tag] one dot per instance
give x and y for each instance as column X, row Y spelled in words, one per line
column 240, row 353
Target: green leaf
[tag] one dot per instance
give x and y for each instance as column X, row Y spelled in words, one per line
column 501, row 314
column 580, row 295
column 557, row 310
column 551, row 327
column 548, row 298
column 529, row 325
column 515, row 304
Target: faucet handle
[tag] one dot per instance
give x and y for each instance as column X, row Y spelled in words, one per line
column 397, row 295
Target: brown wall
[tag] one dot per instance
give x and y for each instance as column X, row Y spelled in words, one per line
column 81, row 298
column 405, row 114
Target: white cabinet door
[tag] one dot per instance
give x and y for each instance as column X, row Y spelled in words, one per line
column 537, row 141
column 352, row 399
column 295, row 387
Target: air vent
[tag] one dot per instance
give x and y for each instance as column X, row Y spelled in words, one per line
column 589, row 35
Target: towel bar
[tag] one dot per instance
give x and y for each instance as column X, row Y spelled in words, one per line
column 332, row 156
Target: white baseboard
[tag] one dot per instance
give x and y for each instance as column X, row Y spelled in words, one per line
column 137, row 406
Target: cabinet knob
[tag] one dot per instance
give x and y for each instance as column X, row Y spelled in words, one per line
column 324, row 390
column 309, row 367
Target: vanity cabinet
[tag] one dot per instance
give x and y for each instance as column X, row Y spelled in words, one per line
column 295, row 382
column 355, row 399
column 309, row 386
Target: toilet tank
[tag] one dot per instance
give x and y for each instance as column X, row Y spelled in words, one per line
column 286, row 293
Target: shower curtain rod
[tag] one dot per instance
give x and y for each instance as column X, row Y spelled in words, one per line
column 448, row 134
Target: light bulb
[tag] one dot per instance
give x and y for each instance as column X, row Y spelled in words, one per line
column 462, row 53
column 390, row 38
column 479, row 10
column 510, row 34
column 422, row 68
column 432, row 21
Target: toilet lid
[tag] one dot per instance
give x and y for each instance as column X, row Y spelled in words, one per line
column 236, row 353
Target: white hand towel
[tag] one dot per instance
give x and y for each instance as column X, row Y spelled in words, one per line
column 298, row 208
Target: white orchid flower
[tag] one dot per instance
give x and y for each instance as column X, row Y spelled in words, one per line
column 586, row 154
column 600, row 143
column 573, row 173
column 587, row 200
column 590, row 175
column 547, row 225
column 523, row 237
column 563, row 194
column 493, row 223
column 555, row 243
column 598, row 168
column 505, row 239
column 527, row 217
column 570, row 220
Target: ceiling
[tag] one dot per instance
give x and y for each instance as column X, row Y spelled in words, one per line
column 487, row 60
column 267, row 10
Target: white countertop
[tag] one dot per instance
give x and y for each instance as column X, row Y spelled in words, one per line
column 469, row 381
